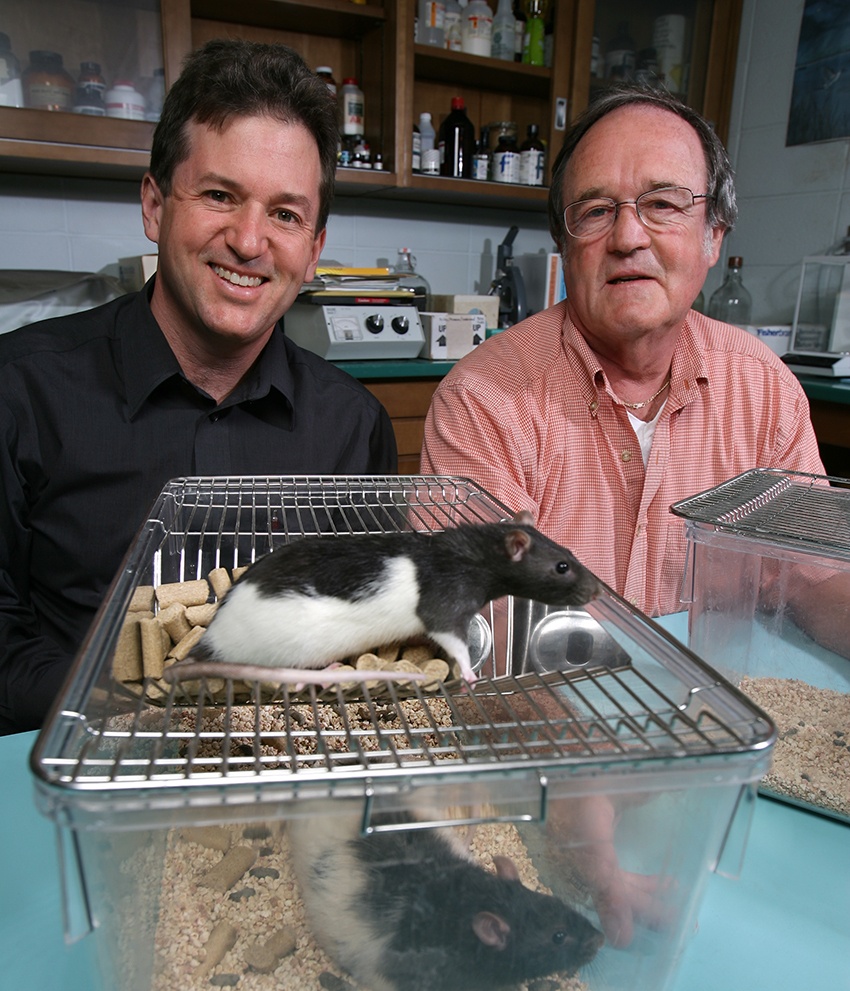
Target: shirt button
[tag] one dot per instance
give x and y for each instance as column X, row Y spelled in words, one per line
column 626, row 456
column 215, row 417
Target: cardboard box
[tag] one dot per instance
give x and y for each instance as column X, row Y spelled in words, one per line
column 449, row 336
column 134, row 272
column 488, row 305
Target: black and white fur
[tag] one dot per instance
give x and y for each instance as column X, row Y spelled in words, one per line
column 412, row 911
column 319, row 599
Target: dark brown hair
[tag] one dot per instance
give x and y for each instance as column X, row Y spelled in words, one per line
column 229, row 78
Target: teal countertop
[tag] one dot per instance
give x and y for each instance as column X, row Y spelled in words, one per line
column 781, row 926
column 390, row 368
column 828, row 390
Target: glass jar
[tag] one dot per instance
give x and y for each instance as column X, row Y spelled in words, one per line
column 91, row 88
column 46, row 84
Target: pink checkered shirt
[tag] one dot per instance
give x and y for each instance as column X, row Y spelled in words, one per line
column 529, row 416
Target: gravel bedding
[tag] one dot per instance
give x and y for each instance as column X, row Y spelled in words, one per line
column 811, row 759
column 208, row 930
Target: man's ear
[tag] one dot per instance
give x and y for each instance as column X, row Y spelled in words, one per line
column 152, row 200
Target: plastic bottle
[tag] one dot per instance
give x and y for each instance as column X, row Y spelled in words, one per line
column 532, row 155
column 428, row 135
column 124, row 100
column 156, row 96
column 457, row 142
column 46, row 84
column 519, row 37
column 431, row 23
column 477, row 30
column 352, row 109
column 91, row 89
column 452, row 26
column 504, row 32
column 11, row 90
column 533, row 50
column 732, row 302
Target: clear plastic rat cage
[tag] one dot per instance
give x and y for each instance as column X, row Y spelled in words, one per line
column 594, row 751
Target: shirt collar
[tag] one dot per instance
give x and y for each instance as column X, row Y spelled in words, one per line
column 688, row 365
column 149, row 361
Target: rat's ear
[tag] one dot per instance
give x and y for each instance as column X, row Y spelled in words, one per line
column 491, row 929
column 517, row 543
column 524, row 516
column 505, row 868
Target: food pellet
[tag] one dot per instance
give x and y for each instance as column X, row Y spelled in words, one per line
column 264, row 957
column 174, row 620
column 190, row 593
column 155, row 646
column 142, row 599
column 220, row 581
column 181, row 651
column 222, row 938
column 213, row 837
column 229, row 869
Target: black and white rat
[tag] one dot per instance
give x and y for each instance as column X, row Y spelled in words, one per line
column 319, row 599
column 411, row 910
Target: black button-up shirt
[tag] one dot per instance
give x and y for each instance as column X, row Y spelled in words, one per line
column 95, row 417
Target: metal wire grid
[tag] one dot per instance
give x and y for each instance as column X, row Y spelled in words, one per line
column 779, row 506
column 113, row 741
column 526, row 721
column 219, row 521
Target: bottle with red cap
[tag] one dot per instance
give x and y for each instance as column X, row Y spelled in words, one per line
column 457, row 142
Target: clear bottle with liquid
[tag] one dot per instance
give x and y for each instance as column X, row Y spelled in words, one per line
column 409, row 278
column 732, row 302
column 532, row 155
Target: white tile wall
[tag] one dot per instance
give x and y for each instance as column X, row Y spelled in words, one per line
column 793, row 201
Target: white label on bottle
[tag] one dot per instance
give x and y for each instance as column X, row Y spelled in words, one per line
column 531, row 167
column 481, row 166
column 477, row 34
column 352, row 113
column 506, row 166
column 416, row 164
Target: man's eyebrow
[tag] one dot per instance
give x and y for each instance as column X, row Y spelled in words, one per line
column 218, row 180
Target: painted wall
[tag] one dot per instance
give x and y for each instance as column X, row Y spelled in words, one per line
column 794, row 201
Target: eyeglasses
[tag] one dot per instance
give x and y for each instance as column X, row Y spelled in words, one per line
column 656, row 208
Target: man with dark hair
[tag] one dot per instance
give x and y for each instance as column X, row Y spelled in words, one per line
column 600, row 412
column 191, row 376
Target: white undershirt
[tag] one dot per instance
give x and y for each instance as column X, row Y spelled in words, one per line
column 645, row 430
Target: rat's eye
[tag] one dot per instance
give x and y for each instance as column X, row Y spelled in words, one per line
column 559, row 937
column 562, row 567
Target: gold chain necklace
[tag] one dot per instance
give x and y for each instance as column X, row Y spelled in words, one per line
column 646, row 402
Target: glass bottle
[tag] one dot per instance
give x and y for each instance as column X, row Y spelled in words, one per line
column 506, row 159
column 531, row 158
column 430, row 23
column 732, row 302
column 457, row 142
column 326, row 74
column 504, row 32
column 47, row 86
column 481, row 159
column 409, row 278
column 11, row 90
column 91, row 89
